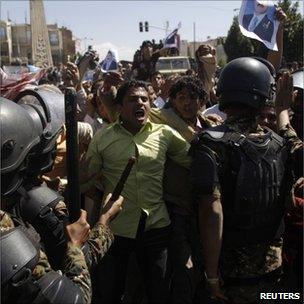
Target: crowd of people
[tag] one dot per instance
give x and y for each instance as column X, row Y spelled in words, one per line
column 212, row 210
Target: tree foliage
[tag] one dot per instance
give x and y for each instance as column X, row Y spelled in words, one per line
column 237, row 45
column 293, row 31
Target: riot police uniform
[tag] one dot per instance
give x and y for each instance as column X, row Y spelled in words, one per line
column 26, row 275
column 28, row 147
column 248, row 168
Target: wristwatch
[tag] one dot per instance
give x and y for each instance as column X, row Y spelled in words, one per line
column 211, row 281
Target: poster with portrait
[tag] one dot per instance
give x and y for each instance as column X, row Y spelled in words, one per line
column 257, row 20
column 110, row 63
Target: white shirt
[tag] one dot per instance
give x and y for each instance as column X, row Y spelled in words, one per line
column 215, row 110
column 159, row 102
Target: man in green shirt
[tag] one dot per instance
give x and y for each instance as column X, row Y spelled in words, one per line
column 143, row 224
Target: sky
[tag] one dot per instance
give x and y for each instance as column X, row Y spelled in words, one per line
column 115, row 24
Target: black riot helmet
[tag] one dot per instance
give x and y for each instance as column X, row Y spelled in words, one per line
column 45, row 104
column 19, row 137
column 245, row 81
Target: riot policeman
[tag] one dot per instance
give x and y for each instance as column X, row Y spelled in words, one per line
column 27, row 147
column 26, row 275
column 241, row 199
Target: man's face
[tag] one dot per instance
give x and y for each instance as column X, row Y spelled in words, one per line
column 259, row 8
column 186, row 105
column 152, row 94
column 157, row 81
column 297, row 119
column 135, row 108
column 109, row 56
column 268, row 118
column 147, row 52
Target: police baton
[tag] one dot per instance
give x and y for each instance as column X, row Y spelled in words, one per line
column 120, row 185
column 72, row 154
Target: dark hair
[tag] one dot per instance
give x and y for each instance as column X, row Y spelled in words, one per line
column 156, row 73
column 146, row 43
column 192, row 84
column 53, row 75
column 123, row 89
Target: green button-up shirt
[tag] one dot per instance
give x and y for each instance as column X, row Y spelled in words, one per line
column 110, row 151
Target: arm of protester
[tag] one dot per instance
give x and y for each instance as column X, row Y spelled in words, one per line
column 284, row 98
column 85, row 62
column 203, row 51
column 112, row 79
column 81, row 98
column 158, row 53
column 166, row 86
column 90, row 106
column 283, row 101
column 108, row 100
column 70, row 75
column 275, row 57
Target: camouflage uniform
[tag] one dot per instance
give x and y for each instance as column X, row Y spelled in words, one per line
column 99, row 241
column 74, row 266
column 255, row 260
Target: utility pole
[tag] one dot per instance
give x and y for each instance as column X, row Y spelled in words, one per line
column 85, row 42
column 167, row 28
column 193, row 39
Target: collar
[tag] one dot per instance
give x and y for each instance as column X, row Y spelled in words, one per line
column 118, row 125
column 259, row 16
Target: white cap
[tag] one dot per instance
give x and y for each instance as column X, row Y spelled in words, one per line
column 298, row 79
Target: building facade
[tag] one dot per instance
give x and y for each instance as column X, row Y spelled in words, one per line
column 16, row 43
column 5, row 42
column 188, row 48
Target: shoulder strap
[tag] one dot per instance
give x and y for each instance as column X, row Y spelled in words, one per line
column 36, row 200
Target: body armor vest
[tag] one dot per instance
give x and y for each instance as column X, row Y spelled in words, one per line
column 19, row 256
column 253, row 178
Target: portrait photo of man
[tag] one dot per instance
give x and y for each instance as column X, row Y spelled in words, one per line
column 259, row 22
column 110, row 62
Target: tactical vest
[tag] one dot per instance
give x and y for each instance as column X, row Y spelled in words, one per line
column 253, row 178
column 19, row 257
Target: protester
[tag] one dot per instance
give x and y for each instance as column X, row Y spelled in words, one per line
column 144, row 61
column 143, row 224
column 208, row 233
column 157, row 80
